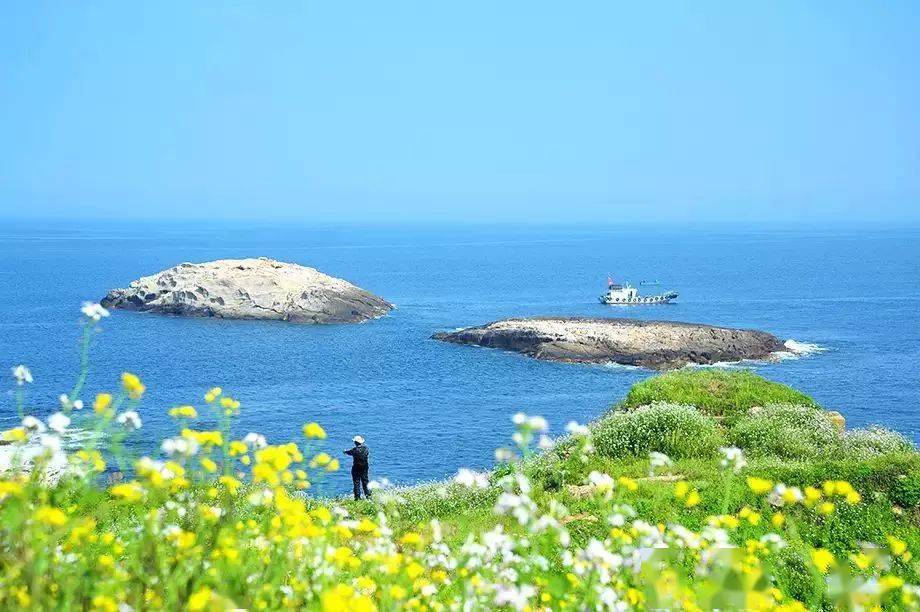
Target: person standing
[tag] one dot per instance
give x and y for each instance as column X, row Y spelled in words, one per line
column 359, row 467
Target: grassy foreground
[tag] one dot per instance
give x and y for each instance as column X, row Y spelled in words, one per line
column 703, row 489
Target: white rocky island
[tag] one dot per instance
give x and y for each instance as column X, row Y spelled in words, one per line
column 250, row 289
column 659, row 345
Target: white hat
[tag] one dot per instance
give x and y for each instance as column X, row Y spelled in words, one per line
column 358, row 439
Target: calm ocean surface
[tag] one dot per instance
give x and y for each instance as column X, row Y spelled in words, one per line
column 427, row 408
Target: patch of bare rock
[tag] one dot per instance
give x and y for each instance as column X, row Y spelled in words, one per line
column 259, row 288
column 658, row 345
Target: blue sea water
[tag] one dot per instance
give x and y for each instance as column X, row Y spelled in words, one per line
column 428, row 408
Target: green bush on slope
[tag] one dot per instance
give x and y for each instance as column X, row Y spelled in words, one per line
column 715, row 392
column 787, row 432
column 676, row 430
column 873, row 442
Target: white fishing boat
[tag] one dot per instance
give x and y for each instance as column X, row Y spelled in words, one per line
column 627, row 295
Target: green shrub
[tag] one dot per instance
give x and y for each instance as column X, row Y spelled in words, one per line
column 786, row 431
column 715, row 392
column 906, row 493
column 874, row 441
column 677, row 430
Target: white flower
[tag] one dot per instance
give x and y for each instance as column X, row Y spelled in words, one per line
column 255, row 440
column 33, row 425
column 503, row 455
column 575, row 429
column 732, row 458
column 51, row 443
column 179, row 446
column 773, row 541
column 58, row 422
column 514, row 597
column 469, row 478
column 93, row 311
column 537, row 423
column 383, row 483
column 545, row 442
column 532, row 423
column 782, row 495
column 22, row 375
column 66, row 404
column 129, row 419
column 602, row 483
column 659, row 459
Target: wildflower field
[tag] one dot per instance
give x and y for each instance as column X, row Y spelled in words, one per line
column 702, row 490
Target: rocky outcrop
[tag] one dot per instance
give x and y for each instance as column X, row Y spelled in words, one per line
column 250, row 289
column 658, row 345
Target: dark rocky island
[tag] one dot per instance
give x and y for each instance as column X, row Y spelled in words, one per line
column 250, row 289
column 659, row 345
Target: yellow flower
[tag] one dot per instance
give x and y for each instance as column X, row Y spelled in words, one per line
column 17, row 434
column 812, row 496
column 628, row 483
column 898, row 547
column 52, row 517
column 343, row 598
column 414, row 570
column 397, row 592
column 204, row 438
column 102, row 403
column 9, row 487
column 187, row 412
column 822, row 559
column 750, row 515
column 132, row 385
column 681, row 488
column 861, row 560
column 230, row 405
column 693, row 499
column 199, row 599
column 826, row 508
column 129, row 491
column 314, row 430
column 853, row 497
column 92, row 458
column 333, row 466
column 411, row 538
column 231, row 483
column 889, row 582
column 320, row 460
column 778, row 520
column 238, row 448
column 208, row 465
column 212, row 394
column 759, row 485
column 104, row 603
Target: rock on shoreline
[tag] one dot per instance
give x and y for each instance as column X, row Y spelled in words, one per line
column 658, row 345
column 250, row 289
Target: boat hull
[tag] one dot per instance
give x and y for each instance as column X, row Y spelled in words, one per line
column 665, row 298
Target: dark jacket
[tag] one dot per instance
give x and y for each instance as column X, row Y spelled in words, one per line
column 359, row 455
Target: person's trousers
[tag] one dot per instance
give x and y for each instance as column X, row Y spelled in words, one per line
column 359, row 478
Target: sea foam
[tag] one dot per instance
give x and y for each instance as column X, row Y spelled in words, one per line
column 797, row 350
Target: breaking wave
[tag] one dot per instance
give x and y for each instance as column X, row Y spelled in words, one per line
column 797, row 349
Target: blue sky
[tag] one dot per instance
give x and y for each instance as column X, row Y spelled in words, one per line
column 595, row 112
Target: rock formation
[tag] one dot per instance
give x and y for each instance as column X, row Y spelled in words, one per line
column 658, row 345
column 250, row 289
